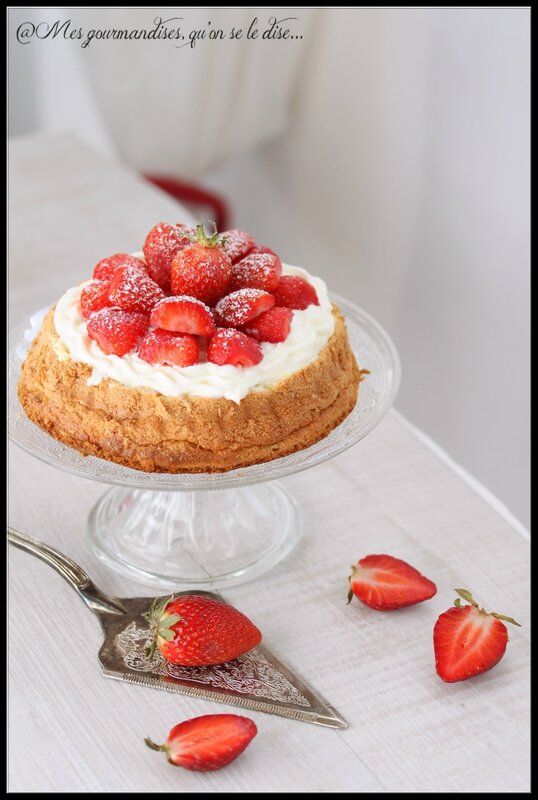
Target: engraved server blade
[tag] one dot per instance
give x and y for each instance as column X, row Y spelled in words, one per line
column 256, row 680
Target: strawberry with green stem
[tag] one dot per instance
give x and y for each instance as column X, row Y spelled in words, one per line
column 202, row 269
column 195, row 630
column 468, row 640
column 206, row 743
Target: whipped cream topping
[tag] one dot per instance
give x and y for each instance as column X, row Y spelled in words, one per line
column 310, row 331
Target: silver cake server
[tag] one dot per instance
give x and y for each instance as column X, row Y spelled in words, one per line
column 256, row 680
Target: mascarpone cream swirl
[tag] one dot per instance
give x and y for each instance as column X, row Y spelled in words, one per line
column 310, row 331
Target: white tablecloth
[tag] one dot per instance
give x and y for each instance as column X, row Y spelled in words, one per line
column 70, row 729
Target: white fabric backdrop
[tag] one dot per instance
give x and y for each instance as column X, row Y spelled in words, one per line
column 388, row 151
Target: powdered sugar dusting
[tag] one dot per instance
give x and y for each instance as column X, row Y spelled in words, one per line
column 309, row 333
column 238, row 308
column 133, row 290
column 237, row 244
column 258, row 270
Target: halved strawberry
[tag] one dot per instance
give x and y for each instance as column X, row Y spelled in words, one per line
column 258, row 271
column 207, row 743
column 133, row 290
column 228, row 346
column 162, row 243
column 202, row 269
column 387, row 583
column 107, row 267
column 168, row 347
column 93, row 297
column 238, row 308
column 271, row 326
column 117, row 331
column 467, row 640
column 237, row 244
column 185, row 314
column 294, row 292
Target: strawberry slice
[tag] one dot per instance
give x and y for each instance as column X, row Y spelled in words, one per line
column 294, row 292
column 208, row 742
column 238, row 308
column 467, row 640
column 117, row 331
column 162, row 243
column 168, row 347
column 387, row 583
column 271, row 326
column 237, row 244
column 258, row 271
column 228, row 346
column 107, row 267
column 133, row 290
column 93, row 297
column 185, row 314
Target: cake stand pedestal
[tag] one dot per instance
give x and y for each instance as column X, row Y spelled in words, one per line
column 206, row 531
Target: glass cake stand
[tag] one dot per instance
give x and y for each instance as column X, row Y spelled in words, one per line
column 206, row 530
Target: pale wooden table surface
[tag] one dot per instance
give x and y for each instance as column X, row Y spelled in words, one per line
column 70, row 729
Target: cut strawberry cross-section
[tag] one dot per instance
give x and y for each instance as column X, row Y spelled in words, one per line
column 294, row 292
column 258, row 271
column 107, row 267
column 271, row 326
column 228, row 346
column 167, row 347
column 468, row 640
column 133, row 290
column 387, row 583
column 117, row 331
column 185, row 314
column 238, row 308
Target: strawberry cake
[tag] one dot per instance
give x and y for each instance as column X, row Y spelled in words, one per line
column 202, row 353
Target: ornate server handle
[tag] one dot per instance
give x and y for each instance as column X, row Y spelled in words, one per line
column 69, row 570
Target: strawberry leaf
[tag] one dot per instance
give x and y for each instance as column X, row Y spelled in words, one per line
column 505, row 619
column 466, row 595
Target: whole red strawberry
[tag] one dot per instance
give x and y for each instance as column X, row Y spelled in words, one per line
column 194, row 630
column 387, row 583
column 467, row 640
column 207, row 743
column 162, row 243
column 202, row 269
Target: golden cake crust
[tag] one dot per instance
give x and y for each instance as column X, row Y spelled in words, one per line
column 144, row 430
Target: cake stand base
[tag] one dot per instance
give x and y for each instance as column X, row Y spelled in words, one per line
column 194, row 539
